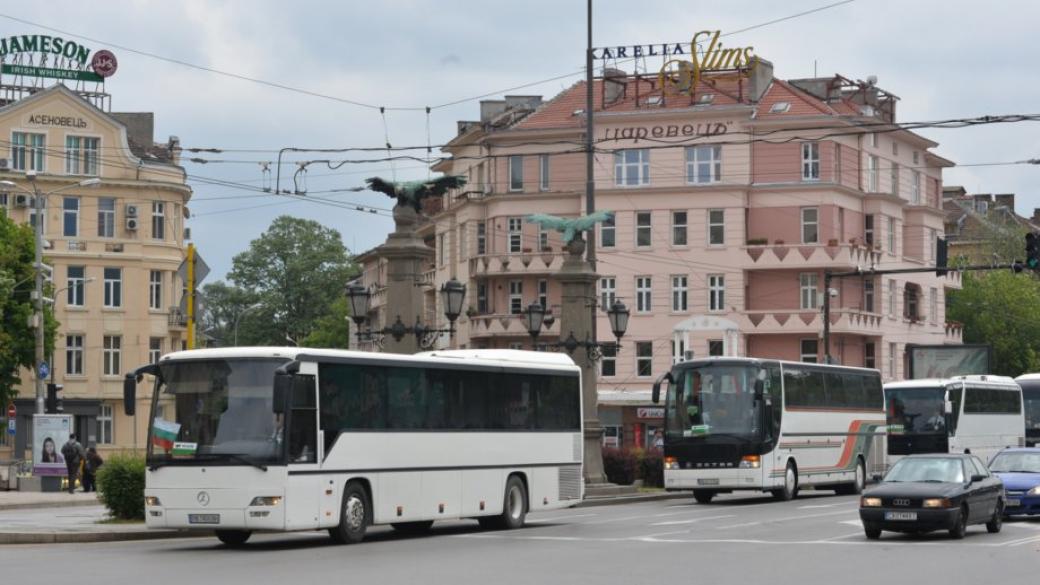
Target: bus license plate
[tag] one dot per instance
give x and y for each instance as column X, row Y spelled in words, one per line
column 708, row 481
column 1014, row 502
column 203, row 518
column 900, row 515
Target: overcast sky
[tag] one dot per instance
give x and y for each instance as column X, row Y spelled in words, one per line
column 943, row 58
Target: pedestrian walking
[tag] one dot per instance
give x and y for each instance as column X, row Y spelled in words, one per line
column 73, row 452
column 90, row 467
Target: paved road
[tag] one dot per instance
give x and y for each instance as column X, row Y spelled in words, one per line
column 737, row 539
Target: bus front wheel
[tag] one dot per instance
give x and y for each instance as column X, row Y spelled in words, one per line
column 790, row 489
column 233, row 537
column 703, row 496
column 355, row 515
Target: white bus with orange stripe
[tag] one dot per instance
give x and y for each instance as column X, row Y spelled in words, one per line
column 773, row 426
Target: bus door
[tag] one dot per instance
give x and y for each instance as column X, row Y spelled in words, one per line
column 304, row 503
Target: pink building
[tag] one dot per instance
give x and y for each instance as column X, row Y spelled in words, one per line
column 729, row 203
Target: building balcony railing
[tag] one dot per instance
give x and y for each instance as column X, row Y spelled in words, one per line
column 516, row 264
column 954, row 333
column 177, row 319
column 852, row 321
column 504, row 325
column 782, row 255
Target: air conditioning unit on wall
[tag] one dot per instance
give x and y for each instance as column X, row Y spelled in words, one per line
column 131, row 224
column 22, row 200
column 131, row 211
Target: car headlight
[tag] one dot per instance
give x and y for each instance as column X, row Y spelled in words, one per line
column 671, row 463
column 750, row 462
column 1034, row 492
column 266, row 501
column 152, row 501
column 870, row 502
column 936, row 503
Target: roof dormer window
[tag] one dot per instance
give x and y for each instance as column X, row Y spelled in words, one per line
column 780, row 108
column 655, row 100
column 707, row 98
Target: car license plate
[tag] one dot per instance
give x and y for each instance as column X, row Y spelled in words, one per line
column 203, row 518
column 708, row 481
column 1014, row 502
column 900, row 515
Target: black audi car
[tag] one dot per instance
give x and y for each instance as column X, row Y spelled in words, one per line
column 923, row 493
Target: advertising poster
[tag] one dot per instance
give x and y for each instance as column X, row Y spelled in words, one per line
column 946, row 361
column 50, row 432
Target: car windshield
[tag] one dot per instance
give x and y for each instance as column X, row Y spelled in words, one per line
column 1016, row 461
column 927, row 469
column 715, row 400
column 222, row 410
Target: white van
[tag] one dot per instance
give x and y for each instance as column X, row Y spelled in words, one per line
column 965, row 414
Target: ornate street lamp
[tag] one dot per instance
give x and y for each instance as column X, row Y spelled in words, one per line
column 360, row 298
column 534, row 317
column 453, row 295
column 618, row 315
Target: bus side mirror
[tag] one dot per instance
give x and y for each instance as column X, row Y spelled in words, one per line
column 665, row 377
column 948, row 407
column 130, row 394
column 282, row 388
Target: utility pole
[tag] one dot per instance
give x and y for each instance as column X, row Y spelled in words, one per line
column 190, row 306
column 38, row 320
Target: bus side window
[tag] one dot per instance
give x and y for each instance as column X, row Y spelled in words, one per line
column 303, row 436
column 774, row 397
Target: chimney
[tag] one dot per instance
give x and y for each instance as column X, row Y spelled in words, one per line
column 761, row 77
column 614, row 82
column 1005, row 200
column 490, row 109
column 527, row 102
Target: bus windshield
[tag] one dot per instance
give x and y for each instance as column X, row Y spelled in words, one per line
column 916, row 410
column 222, row 411
column 1032, row 408
column 715, row 400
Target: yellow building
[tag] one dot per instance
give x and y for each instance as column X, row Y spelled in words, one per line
column 115, row 248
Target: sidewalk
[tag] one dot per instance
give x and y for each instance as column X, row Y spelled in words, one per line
column 24, row 500
column 72, row 524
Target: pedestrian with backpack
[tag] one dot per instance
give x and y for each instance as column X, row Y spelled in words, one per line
column 90, row 467
column 73, row 452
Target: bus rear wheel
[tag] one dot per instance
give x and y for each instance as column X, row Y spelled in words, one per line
column 233, row 537
column 514, row 508
column 857, row 485
column 790, row 489
column 703, row 496
column 355, row 515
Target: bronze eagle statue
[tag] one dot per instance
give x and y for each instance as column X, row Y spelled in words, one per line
column 570, row 227
column 412, row 193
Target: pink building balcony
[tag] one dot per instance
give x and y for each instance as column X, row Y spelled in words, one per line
column 519, row 264
column 776, row 322
column 505, row 325
column 954, row 333
column 782, row 255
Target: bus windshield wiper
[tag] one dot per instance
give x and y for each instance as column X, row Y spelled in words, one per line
column 243, row 459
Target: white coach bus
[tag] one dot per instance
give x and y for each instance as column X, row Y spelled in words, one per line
column 964, row 414
column 754, row 424
column 289, row 439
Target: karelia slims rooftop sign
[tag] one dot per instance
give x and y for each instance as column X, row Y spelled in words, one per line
column 76, row 58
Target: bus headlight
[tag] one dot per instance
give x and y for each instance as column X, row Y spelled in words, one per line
column 750, row 462
column 266, row 501
column 870, row 502
column 152, row 501
column 671, row 463
column 1034, row 492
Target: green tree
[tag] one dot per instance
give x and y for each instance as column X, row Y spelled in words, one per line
column 296, row 270
column 332, row 330
column 1000, row 308
column 17, row 338
column 221, row 305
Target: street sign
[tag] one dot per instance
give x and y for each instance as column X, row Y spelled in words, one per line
column 12, row 417
column 11, row 411
column 201, row 270
column 45, row 370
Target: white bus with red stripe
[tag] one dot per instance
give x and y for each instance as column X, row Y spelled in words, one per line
column 773, row 426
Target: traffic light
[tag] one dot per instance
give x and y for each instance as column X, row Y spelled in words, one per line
column 1032, row 251
column 53, row 403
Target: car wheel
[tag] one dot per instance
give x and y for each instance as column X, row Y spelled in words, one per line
column 703, row 496
column 233, row 538
column 997, row 522
column 960, row 526
column 871, row 530
column 790, row 489
column 355, row 515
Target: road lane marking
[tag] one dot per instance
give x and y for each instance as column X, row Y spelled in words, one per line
column 692, row 520
column 815, row 506
column 557, row 518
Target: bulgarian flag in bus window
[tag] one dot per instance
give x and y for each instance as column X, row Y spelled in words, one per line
column 164, row 433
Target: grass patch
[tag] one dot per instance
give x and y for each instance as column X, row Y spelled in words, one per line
column 120, row 521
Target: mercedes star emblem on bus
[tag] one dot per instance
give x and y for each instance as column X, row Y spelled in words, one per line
column 203, row 498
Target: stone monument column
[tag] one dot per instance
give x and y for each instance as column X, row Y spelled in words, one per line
column 406, row 255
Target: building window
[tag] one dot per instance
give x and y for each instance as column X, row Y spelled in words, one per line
column 679, row 292
column 874, row 139
column 106, row 217
column 482, row 301
column 915, row 188
column 895, row 179
column 81, row 155
column 543, row 172
column 607, row 291
column 809, row 350
column 481, row 238
column 678, row 351
column 703, row 164
column 74, row 282
column 155, row 349
column 810, row 225
column 632, row 167
column 678, row 228
column 869, row 355
column 644, row 359
column 155, row 290
column 27, row 151
column 932, row 242
column 837, row 163
column 442, row 248
column 868, row 295
column 516, row 297
column 911, row 301
column 608, row 365
column 462, row 241
column 543, row 294
column 716, row 347
column 543, row 239
column 516, row 173
column 644, row 287
column 872, row 174
column 892, row 349
column 868, row 229
column 516, row 227
column 73, row 355
column 70, row 216
column 644, row 233
column 891, row 298
column 810, row 161
column 104, row 425
column 891, row 235
column 716, row 227
column 158, row 220
column 933, row 305
column 917, row 157
column 606, row 232
column 113, row 287
column 807, row 283
column 112, row 345
column 716, row 292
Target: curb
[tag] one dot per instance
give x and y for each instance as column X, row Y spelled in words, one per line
column 85, row 537
column 38, row 505
column 619, row 500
